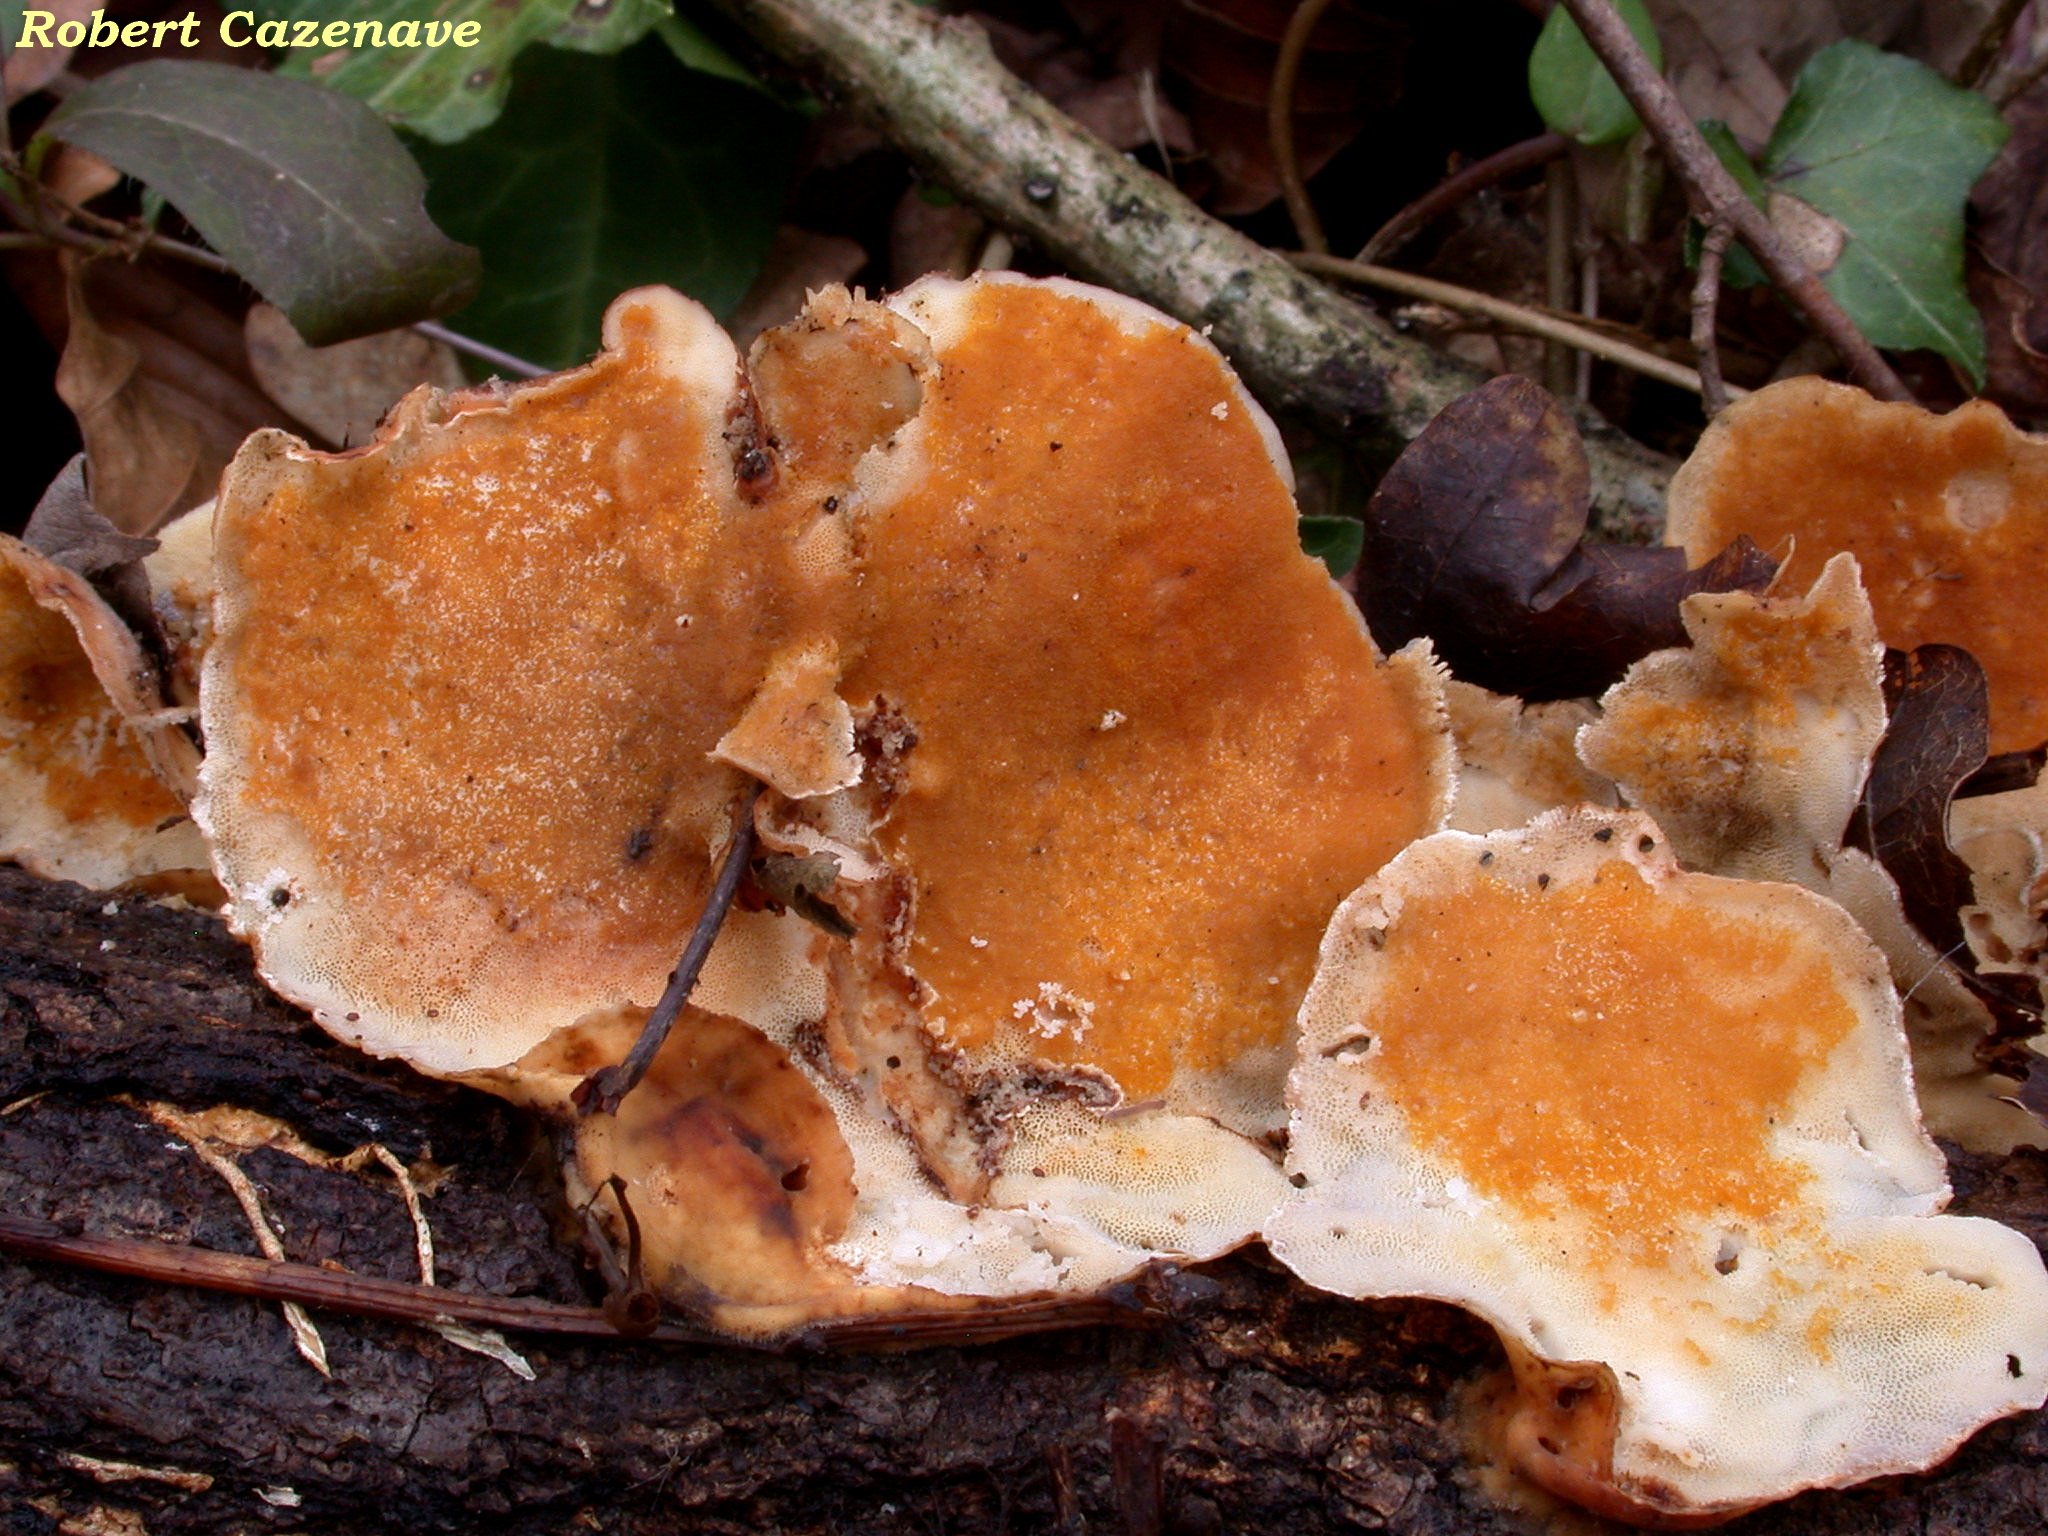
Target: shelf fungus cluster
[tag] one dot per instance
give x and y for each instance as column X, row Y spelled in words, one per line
column 966, row 636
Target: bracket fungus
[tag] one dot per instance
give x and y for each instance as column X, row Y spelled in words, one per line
column 1751, row 748
column 1658, row 1129
column 1946, row 514
column 1516, row 759
column 91, row 767
column 997, row 590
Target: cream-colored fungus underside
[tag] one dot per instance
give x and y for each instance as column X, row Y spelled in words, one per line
column 463, row 689
column 1662, row 1122
column 1516, row 760
column 1946, row 514
column 1750, row 748
column 79, row 799
column 2004, row 840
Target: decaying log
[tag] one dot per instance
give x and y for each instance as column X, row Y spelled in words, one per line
column 128, row 1406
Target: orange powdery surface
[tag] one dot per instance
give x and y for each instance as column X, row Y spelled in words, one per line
column 1092, row 583
column 58, row 723
column 531, row 617
column 1947, row 517
column 1632, row 1085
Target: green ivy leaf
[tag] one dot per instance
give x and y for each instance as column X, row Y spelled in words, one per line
column 1877, row 155
column 605, row 173
column 1572, row 88
column 306, row 191
column 446, row 93
column 696, row 49
column 1336, row 541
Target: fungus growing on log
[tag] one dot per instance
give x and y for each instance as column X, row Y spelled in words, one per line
column 463, row 689
column 1658, row 1129
column 997, row 591
column 1946, row 514
column 1127, row 748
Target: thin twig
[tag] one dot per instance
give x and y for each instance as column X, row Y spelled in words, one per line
column 1706, row 307
column 1516, row 316
column 483, row 352
column 1455, row 188
column 128, row 242
column 401, row 1301
column 1978, row 63
column 2004, row 89
column 312, row 1286
column 1717, row 197
column 1280, row 124
column 1560, row 217
column 604, row 1090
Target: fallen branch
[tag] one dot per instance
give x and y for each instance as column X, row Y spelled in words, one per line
column 1258, row 1405
column 1719, row 199
column 935, row 87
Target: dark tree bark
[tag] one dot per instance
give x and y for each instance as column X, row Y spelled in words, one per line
column 1253, row 1404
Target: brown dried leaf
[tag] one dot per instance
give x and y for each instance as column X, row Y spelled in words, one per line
column 1735, row 62
column 798, row 261
column 158, row 380
column 342, row 391
column 28, row 70
column 68, row 529
column 1937, row 732
column 1938, row 710
column 2009, row 259
column 1474, row 539
column 1219, row 57
column 1124, row 110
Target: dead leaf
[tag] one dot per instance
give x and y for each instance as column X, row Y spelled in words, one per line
column 78, row 175
column 1218, row 59
column 1736, row 62
column 2008, row 260
column 158, row 380
column 1474, row 538
column 798, row 261
column 65, row 527
column 1936, row 735
column 1125, row 110
column 928, row 233
column 342, row 391
column 28, row 70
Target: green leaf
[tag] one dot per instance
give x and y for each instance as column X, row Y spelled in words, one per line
column 446, row 93
column 1336, row 541
column 605, row 173
column 1885, row 151
column 1572, row 88
column 305, row 191
column 696, row 49
column 606, row 26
